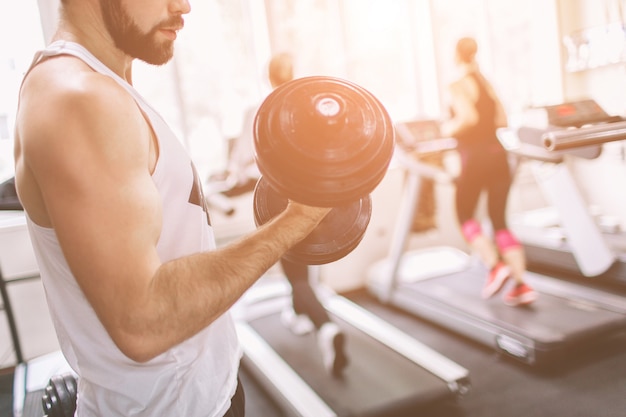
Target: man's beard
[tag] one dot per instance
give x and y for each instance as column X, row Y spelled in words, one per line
column 129, row 38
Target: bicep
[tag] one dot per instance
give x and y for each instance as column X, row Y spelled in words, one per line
column 102, row 203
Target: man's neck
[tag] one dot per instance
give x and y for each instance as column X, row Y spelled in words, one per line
column 92, row 34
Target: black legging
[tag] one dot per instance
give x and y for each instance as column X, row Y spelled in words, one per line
column 304, row 299
column 483, row 168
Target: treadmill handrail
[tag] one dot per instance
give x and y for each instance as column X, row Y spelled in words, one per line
column 556, row 140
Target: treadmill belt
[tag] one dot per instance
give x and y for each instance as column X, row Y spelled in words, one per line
column 554, row 254
column 377, row 381
column 560, row 260
column 549, row 321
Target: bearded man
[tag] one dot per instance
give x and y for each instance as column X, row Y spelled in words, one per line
column 137, row 290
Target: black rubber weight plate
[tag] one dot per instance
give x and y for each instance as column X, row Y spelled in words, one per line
column 336, row 236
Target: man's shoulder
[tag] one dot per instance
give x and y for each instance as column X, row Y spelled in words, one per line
column 65, row 85
column 67, row 78
column 78, row 108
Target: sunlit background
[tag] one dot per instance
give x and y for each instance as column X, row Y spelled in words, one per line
column 401, row 50
column 535, row 52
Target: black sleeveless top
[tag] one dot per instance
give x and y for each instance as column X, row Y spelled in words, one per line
column 483, row 132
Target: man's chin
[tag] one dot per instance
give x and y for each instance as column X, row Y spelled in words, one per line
column 157, row 57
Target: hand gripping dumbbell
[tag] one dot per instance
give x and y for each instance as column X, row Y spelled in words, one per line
column 59, row 398
column 324, row 142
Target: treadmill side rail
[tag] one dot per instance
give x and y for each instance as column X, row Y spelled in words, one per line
column 301, row 397
column 455, row 375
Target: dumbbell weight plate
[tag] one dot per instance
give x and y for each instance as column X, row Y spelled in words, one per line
column 335, row 237
column 323, row 141
column 59, row 399
column 72, row 389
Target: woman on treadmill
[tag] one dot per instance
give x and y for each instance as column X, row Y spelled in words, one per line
column 476, row 114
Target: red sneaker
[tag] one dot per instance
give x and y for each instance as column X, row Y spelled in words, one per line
column 496, row 279
column 520, row 295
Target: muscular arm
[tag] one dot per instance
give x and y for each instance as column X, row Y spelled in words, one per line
column 83, row 164
column 185, row 295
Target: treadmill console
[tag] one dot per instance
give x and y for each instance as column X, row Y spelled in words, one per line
column 576, row 128
column 423, row 136
column 577, row 114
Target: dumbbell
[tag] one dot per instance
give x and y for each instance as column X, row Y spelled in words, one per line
column 59, row 398
column 324, row 142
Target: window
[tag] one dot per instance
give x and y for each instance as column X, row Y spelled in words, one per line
column 4, row 127
column 373, row 43
column 18, row 21
column 215, row 76
column 399, row 50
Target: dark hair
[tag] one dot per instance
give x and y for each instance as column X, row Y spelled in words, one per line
column 466, row 49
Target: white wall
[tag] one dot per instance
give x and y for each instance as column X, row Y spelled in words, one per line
column 603, row 180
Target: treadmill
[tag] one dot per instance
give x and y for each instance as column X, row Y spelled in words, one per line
column 565, row 238
column 389, row 371
column 443, row 285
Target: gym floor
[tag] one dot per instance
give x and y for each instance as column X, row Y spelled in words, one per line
column 587, row 383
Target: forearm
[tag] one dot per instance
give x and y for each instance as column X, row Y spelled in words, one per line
column 188, row 294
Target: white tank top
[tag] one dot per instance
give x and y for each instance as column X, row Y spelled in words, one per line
column 196, row 378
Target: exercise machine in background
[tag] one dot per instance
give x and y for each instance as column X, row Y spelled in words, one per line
column 327, row 142
column 442, row 284
column 567, row 237
column 34, row 365
column 389, row 373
